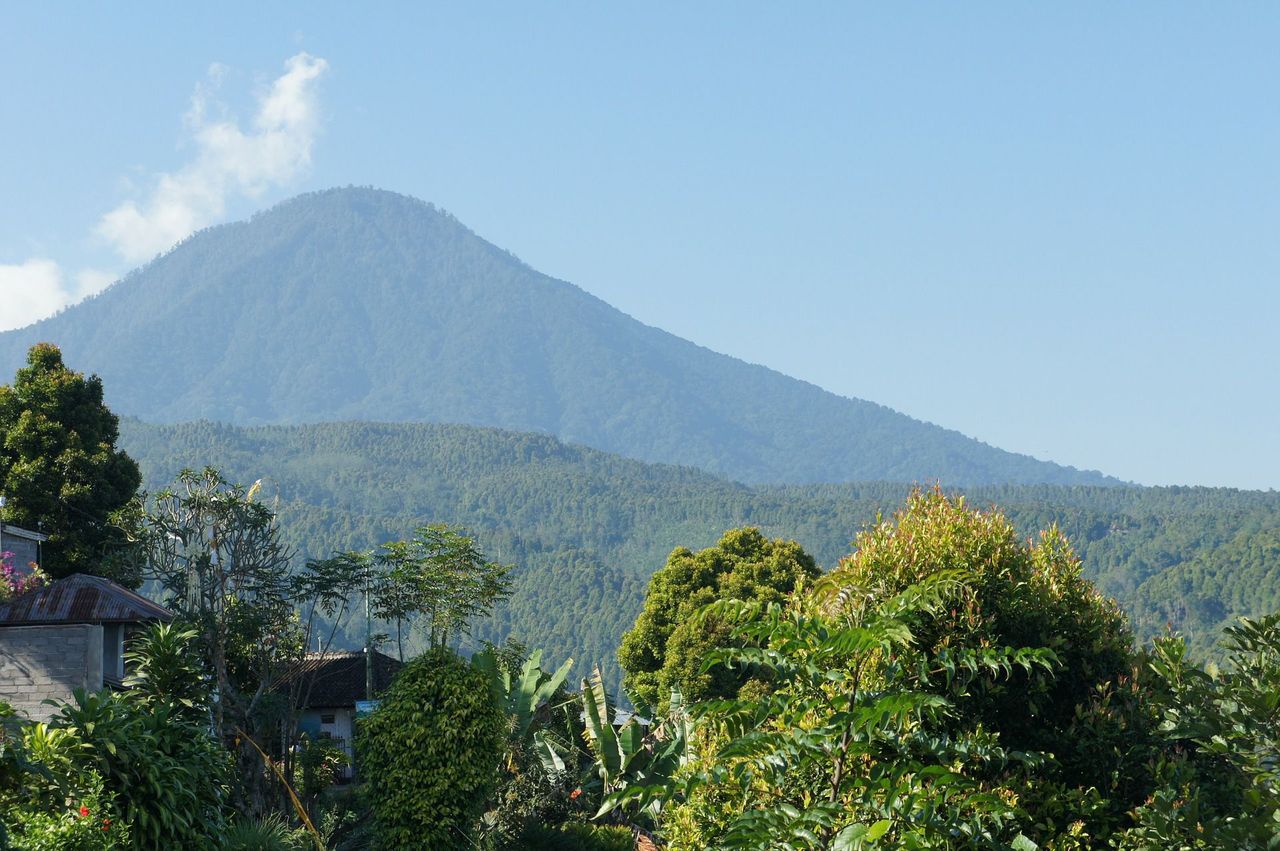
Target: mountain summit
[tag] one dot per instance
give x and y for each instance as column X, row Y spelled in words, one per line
column 364, row 304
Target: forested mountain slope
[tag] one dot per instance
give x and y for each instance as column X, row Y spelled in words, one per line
column 586, row 529
column 364, row 304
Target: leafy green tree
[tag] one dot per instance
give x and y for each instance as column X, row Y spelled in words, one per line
column 431, row 753
column 666, row 647
column 60, row 470
column 1013, row 593
column 439, row 576
column 215, row 549
column 843, row 752
column 1219, row 774
column 216, row 552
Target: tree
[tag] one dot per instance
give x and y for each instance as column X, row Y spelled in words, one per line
column 60, row 470
column 666, row 647
column 1009, row 592
column 1219, row 779
column 216, row 551
column 440, row 576
column 431, row 752
column 843, row 752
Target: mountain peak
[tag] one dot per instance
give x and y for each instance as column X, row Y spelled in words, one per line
column 360, row 303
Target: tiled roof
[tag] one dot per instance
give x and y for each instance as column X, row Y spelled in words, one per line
column 337, row 678
column 80, row 598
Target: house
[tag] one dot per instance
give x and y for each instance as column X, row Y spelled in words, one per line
column 331, row 693
column 23, row 543
column 66, row 635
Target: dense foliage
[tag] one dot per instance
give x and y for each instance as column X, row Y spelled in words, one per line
column 431, row 752
column 1219, row 780
column 60, row 468
column 173, row 778
column 586, row 530
column 1006, row 593
column 360, row 304
column 666, row 647
column 952, row 686
column 848, row 747
column 121, row 769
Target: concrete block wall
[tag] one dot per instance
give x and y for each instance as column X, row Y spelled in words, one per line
column 42, row 662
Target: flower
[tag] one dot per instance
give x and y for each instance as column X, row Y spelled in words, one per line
column 573, row 796
column 84, row 811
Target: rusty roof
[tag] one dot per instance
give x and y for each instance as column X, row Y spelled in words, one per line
column 81, row 598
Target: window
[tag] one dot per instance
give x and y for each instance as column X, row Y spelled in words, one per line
column 112, row 651
column 327, row 719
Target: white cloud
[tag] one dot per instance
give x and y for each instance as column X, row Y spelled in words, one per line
column 29, row 291
column 35, row 289
column 229, row 162
column 90, row 281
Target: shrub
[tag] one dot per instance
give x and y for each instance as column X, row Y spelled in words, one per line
column 270, row 833
column 578, row 837
column 666, row 646
column 843, row 751
column 171, row 775
column 320, row 761
column 1219, row 778
column 430, row 753
column 86, row 822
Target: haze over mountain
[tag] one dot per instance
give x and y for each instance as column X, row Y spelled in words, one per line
column 365, row 304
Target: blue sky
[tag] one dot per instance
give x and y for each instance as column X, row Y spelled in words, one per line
column 1052, row 227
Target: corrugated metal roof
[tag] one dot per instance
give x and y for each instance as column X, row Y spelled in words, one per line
column 81, row 598
column 336, row 678
column 19, row 532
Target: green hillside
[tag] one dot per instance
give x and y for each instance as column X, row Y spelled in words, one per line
column 586, row 528
column 363, row 304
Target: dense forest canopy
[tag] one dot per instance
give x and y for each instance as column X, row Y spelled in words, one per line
column 586, row 529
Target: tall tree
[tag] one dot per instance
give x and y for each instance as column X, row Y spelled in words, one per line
column 667, row 646
column 60, row 470
column 215, row 549
column 439, row 576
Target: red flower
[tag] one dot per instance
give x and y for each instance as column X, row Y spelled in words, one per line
column 573, row 796
column 84, row 811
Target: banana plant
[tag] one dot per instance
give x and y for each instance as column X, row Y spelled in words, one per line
column 522, row 697
column 633, row 760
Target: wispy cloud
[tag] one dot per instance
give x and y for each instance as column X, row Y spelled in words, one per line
column 230, row 162
column 35, row 289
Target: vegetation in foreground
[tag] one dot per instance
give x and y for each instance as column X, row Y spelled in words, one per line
column 949, row 685
column 586, row 530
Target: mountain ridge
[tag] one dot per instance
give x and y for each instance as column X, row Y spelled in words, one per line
column 363, row 304
column 586, row 529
